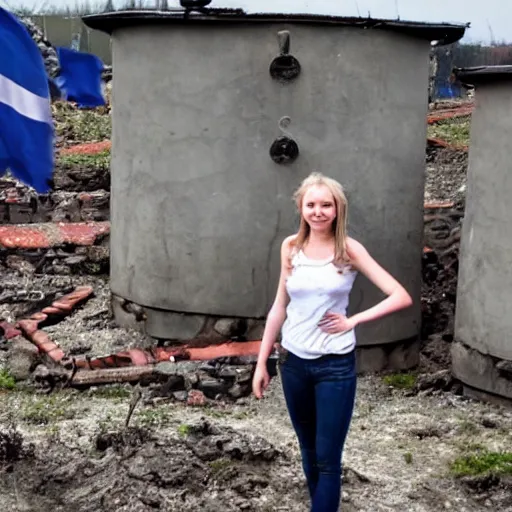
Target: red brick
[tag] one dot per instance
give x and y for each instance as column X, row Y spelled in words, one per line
column 23, row 237
column 44, row 236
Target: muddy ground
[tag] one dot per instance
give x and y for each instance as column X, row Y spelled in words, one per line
column 243, row 456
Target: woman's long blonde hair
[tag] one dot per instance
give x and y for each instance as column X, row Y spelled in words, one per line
column 340, row 222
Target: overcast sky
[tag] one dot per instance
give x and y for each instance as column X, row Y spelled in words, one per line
column 486, row 16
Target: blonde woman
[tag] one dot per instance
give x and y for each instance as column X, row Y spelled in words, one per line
column 318, row 267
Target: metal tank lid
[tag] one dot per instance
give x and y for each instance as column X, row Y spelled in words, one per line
column 484, row 74
column 201, row 11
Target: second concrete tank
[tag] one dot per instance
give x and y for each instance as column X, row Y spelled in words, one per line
column 482, row 351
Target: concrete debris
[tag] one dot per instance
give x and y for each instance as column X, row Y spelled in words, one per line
column 51, row 61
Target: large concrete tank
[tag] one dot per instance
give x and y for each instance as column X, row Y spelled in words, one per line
column 202, row 183
column 482, row 351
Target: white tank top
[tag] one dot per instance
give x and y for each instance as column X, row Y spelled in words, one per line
column 314, row 287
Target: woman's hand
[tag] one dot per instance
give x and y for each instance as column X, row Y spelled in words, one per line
column 260, row 381
column 336, row 323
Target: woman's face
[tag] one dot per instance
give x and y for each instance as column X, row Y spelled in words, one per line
column 319, row 208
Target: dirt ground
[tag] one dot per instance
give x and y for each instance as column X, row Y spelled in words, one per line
column 240, row 457
column 445, row 178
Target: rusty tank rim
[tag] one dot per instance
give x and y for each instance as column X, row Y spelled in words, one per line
column 443, row 33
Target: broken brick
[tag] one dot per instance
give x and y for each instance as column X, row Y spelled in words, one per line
column 196, row 398
column 44, row 236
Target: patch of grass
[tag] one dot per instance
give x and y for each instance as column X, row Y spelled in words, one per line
column 474, row 447
column 6, row 380
column 184, row 430
column 241, row 415
column 94, row 161
column 153, row 417
column 218, row 465
column 105, row 423
column 468, row 427
column 215, row 413
column 46, row 409
column 454, row 131
column 400, row 380
column 72, row 123
column 53, row 431
column 408, row 457
column 482, row 463
column 111, row 392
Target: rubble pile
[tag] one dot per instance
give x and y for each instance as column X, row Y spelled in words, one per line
column 445, row 193
column 168, row 372
column 60, row 249
column 51, row 61
column 440, row 268
column 195, row 381
column 80, row 194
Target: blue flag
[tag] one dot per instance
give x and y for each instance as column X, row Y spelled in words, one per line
column 26, row 127
column 80, row 77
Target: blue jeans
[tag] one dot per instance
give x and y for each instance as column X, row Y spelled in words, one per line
column 320, row 395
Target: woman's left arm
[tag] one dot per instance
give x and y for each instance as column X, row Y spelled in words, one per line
column 397, row 297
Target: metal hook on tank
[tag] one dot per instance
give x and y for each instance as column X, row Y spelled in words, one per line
column 284, row 149
column 283, row 123
column 284, row 67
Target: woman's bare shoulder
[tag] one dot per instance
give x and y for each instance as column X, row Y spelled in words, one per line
column 288, row 245
column 289, row 241
column 354, row 248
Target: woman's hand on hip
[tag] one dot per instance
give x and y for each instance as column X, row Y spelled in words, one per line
column 336, row 323
column 260, row 381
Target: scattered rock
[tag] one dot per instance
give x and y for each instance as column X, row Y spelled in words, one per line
column 213, row 388
column 181, row 396
column 441, row 380
column 351, row 475
column 47, row 379
column 488, row 422
column 214, row 379
column 209, row 442
column 196, row 398
column 424, row 432
column 237, row 373
column 238, row 391
column 119, row 441
column 22, row 358
column 181, row 368
column 481, row 483
column 231, row 327
column 20, row 264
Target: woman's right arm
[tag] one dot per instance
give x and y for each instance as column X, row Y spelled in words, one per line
column 274, row 322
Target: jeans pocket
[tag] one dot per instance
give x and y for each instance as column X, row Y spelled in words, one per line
column 339, row 367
